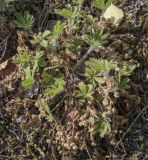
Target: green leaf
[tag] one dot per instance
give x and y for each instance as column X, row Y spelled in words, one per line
column 93, row 76
column 56, row 88
column 85, row 92
column 46, row 33
column 23, row 58
column 67, row 13
column 24, row 21
column 57, row 31
column 78, row 1
column 96, row 38
column 127, row 69
column 45, row 109
column 36, row 61
column 123, row 84
column 47, row 79
column 100, row 4
column 27, row 70
column 4, row 5
column 44, row 105
column 100, row 65
column 28, row 83
column 73, row 46
column 102, row 126
column 44, row 43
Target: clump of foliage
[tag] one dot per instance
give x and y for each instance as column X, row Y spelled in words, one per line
column 4, row 5
column 77, row 33
column 30, row 66
column 24, row 20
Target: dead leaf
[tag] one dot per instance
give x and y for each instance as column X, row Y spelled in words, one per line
column 6, row 68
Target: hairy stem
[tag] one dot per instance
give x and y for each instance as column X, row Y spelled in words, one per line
column 86, row 56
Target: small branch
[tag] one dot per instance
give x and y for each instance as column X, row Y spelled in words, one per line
column 86, row 56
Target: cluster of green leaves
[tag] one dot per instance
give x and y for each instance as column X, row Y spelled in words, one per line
column 72, row 14
column 41, row 39
column 97, row 72
column 49, row 39
column 96, row 38
column 102, row 126
column 122, row 75
column 97, row 69
column 85, row 92
column 30, row 66
column 24, row 20
column 4, row 5
column 53, row 85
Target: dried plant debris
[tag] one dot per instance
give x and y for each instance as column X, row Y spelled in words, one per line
column 73, row 80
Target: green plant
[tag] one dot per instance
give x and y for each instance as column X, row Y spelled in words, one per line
column 102, row 126
column 71, row 14
column 73, row 46
column 122, row 75
column 96, row 70
column 30, row 67
column 85, row 92
column 56, row 87
column 45, row 110
column 95, row 39
column 100, row 4
column 4, row 5
column 24, row 21
column 122, row 83
column 55, row 35
column 41, row 39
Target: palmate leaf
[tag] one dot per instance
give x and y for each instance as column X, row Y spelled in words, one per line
column 41, row 39
column 28, row 83
column 102, row 126
column 100, row 4
column 29, row 78
column 47, row 79
column 127, row 69
column 122, row 83
column 37, row 62
column 45, row 34
column 67, row 13
column 96, row 38
column 24, row 21
column 85, row 92
column 100, row 65
column 73, row 46
column 93, row 76
column 55, row 88
column 57, row 31
column 23, row 58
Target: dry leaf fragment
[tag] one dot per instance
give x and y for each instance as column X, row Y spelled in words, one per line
column 6, row 67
